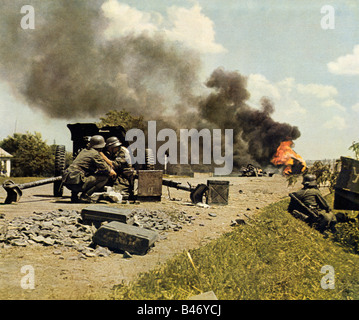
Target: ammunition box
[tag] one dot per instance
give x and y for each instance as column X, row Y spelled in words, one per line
column 96, row 214
column 122, row 237
column 149, row 185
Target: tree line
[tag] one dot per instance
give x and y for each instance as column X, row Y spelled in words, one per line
column 32, row 157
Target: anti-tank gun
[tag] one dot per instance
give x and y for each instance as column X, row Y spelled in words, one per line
column 80, row 135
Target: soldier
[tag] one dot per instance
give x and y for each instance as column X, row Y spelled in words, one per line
column 319, row 213
column 118, row 157
column 89, row 172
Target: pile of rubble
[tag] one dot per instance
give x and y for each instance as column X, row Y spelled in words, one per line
column 66, row 228
column 158, row 220
column 60, row 227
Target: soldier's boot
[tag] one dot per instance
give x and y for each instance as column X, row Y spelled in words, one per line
column 74, row 197
column 85, row 198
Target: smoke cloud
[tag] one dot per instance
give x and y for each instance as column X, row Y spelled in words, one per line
column 257, row 135
column 66, row 68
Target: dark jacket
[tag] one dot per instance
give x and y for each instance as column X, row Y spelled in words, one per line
column 312, row 198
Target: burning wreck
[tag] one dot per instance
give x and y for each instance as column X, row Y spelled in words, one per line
column 285, row 156
column 252, row 171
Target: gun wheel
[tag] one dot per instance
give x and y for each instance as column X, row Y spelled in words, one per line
column 60, row 157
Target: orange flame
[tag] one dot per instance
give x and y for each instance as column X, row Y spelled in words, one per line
column 285, row 155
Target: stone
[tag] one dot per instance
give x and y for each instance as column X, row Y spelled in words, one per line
column 37, row 238
column 65, row 228
column 49, row 241
column 90, row 254
column 19, row 243
column 102, row 251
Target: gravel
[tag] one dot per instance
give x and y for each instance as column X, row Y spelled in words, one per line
column 64, row 228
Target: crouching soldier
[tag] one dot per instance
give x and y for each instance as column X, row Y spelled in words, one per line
column 309, row 205
column 89, row 172
column 118, row 157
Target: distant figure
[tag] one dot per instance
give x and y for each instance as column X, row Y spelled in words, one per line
column 89, row 172
column 309, row 205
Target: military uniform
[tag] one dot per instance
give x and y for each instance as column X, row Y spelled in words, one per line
column 87, row 174
column 322, row 217
column 121, row 163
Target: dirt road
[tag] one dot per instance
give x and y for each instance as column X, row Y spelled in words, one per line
column 61, row 274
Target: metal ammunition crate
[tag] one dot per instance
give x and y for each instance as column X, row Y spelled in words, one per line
column 97, row 214
column 119, row 236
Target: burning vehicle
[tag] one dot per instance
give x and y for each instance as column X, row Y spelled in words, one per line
column 252, row 171
column 285, row 156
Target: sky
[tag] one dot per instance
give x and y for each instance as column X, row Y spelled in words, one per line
column 303, row 55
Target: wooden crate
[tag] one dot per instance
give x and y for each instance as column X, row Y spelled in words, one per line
column 217, row 192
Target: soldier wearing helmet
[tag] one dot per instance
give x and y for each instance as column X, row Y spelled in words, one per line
column 118, row 157
column 322, row 217
column 89, row 172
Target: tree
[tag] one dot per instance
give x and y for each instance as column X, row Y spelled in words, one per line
column 122, row 118
column 326, row 175
column 32, row 156
column 355, row 148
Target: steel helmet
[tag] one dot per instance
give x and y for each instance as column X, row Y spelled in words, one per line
column 309, row 180
column 97, row 142
column 112, row 142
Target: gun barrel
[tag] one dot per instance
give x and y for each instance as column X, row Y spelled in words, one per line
column 14, row 192
column 177, row 185
column 39, row 182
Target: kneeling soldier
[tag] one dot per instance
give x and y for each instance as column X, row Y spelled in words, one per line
column 89, row 172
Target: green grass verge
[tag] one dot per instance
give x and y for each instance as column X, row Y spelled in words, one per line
column 275, row 257
column 347, row 233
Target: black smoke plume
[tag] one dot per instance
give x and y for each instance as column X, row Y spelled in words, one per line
column 256, row 135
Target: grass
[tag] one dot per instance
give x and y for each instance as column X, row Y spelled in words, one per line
column 274, row 257
column 347, row 234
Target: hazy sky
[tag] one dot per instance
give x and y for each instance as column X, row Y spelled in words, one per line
column 285, row 48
